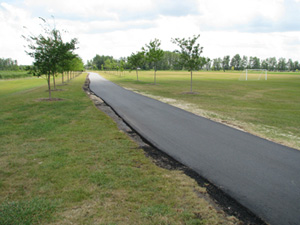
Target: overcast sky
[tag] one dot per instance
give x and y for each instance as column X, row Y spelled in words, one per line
column 262, row 28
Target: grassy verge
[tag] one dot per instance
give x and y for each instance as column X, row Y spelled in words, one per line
column 265, row 108
column 65, row 162
column 14, row 74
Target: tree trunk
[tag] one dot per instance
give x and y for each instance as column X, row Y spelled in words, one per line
column 62, row 78
column 54, row 81
column 154, row 74
column 137, row 75
column 191, row 81
column 49, row 86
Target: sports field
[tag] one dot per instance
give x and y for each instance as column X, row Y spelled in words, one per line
column 267, row 108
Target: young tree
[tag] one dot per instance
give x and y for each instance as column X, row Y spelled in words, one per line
column 153, row 54
column 122, row 64
column 48, row 51
column 190, row 54
column 136, row 61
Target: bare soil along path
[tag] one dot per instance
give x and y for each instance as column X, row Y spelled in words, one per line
column 261, row 175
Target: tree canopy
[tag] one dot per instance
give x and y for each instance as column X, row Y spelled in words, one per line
column 50, row 53
column 153, row 54
column 136, row 61
column 190, row 54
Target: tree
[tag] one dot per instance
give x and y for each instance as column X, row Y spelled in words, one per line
column 296, row 66
column 153, row 54
column 136, row 61
column 190, row 54
column 207, row 63
column 98, row 60
column 272, row 63
column 281, row 66
column 290, row 65
column 8, row 64
column 48, row 51
column 108, row 64
column 254, row 63
column 236, row 62
column 217, row 64
column 225, row 62
column 264, row 64
column 244, row 63
column 122, row 65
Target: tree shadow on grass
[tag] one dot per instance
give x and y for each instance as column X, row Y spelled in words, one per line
column 50, row 99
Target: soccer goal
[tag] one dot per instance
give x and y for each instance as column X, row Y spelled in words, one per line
column 254, row 74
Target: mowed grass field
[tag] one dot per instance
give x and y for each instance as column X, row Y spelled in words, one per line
column 66, row 162
column 267, row 108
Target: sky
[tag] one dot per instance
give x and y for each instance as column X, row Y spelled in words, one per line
column 262, row 28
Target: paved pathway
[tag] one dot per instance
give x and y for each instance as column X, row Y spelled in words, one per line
column 259, row 174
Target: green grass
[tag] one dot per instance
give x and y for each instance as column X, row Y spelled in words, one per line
column 269, row 108
column 64, row 162
column 13, row 74
column 31, row 211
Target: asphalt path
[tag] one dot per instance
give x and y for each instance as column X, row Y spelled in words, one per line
column 259, row 174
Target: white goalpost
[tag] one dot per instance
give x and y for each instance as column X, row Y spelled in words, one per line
column 254, row 74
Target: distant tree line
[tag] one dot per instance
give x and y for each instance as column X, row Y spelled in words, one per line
column 167, row 62
column 170, row 61
column 241, row 63
column 8, row 64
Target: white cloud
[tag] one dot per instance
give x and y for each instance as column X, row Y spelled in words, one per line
column 262, row 28
column 227, row 14
column 12, row 20
column 92, row 8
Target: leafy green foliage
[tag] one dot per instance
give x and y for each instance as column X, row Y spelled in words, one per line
column 8, row 64
column 51, row 55
column 190, row 54
column 136, row 61
column 153, row 54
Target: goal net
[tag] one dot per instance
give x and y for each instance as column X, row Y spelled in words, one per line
column 254, row 74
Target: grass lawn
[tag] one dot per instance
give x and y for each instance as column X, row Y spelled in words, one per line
column 65, row 162
column 270, row 109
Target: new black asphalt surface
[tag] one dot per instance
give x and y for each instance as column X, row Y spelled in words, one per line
column 261, row 175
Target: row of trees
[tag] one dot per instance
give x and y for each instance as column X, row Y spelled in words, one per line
column 241, row 63
column 170, row 61
column 8, row 64
column 52, row 55
column 151, row 56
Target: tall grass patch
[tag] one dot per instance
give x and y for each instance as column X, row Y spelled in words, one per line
column 14, row 74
